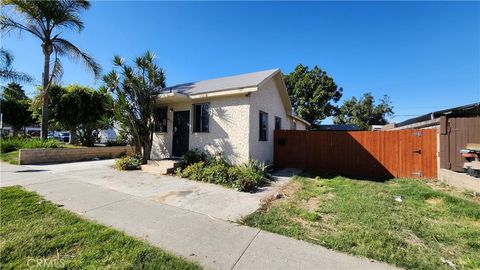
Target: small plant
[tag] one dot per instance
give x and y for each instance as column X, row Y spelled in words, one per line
column 128, row 163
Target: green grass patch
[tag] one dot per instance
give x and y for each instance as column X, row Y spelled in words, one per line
column 36, row 234
column 10, row 157
column 362, row 218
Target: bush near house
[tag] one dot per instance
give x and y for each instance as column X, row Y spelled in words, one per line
column 200, row 166
column 127, row 163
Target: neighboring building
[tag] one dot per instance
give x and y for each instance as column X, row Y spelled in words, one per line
column 376, row 127
column 110, row 134
column 234, row 116
column 456, row 128
column 337, row 127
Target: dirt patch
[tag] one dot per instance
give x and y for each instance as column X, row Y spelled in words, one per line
column 412, row 238
column 434, row 201
column 285, row 192
column 170, row 194
column 312, row 204
column 453, row 191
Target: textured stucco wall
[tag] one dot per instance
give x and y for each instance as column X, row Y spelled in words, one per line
column 266, row 99
column 228, row 132
column 234, row 125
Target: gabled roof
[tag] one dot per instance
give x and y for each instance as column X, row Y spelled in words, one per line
column 222, row 84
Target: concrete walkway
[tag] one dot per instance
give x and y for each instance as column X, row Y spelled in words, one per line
column 208, row 240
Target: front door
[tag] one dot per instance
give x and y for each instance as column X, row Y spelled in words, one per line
column 181, row 132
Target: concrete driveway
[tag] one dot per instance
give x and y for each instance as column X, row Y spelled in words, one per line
column 180, row 216
column 204, row 198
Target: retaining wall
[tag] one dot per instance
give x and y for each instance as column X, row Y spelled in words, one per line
column 460, row 180
column 60, row 155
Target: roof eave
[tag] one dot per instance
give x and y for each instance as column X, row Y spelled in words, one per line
column 299, row 119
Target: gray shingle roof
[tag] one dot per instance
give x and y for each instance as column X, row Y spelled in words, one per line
column 220, row 84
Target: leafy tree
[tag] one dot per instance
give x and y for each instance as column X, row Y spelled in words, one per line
column 48, row 20
column 81, row 110
column 135, row 87
column 312, row 93
column 7, row 72
column 15, row 107
column 14, row 91
column 363, row 112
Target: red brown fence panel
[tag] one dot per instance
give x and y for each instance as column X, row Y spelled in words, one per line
column 384, row 154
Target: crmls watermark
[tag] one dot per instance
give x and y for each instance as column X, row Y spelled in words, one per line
column 57, row 261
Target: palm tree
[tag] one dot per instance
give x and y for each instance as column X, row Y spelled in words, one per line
column 7, row 73
column 46, row 19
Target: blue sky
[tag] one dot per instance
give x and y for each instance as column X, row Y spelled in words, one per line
column 424, row 55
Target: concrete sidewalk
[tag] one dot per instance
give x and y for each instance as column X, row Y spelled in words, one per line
column 212, row 242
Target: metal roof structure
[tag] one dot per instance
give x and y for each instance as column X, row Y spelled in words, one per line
column 465, row 110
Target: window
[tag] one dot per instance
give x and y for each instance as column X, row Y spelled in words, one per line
column 160, row 117
column 201, row 117
column 294, row 126
column 278, row 123
column 263, row 121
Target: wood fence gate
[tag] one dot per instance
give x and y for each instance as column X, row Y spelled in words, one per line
column 367, row 154
column 455, row 134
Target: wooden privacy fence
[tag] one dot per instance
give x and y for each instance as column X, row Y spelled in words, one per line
column 369, row 154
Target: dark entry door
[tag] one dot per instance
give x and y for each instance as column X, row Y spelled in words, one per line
column 181, row 122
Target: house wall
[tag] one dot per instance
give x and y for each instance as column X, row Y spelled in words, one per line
column 295, row 124
column 228, row 129
column 266, row 99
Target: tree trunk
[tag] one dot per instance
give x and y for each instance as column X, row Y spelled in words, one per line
column 147, row 149
column 73, row 136
column 46, row 77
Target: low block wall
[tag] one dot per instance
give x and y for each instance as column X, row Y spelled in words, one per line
column 60, row 155
column 460, row 180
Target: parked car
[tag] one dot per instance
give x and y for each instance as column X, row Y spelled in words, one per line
column 64, row 136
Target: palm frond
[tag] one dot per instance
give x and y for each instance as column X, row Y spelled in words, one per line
column 6, row 58
column 57, row 70
column 7, row 25
column 64, row 47
column 14, row 76
column 7, row 73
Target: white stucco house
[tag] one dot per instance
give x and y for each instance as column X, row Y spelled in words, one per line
column 234, row 116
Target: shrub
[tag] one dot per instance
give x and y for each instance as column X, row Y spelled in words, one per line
column 217, row 172
column 194, row 156
column 194, row 171
column 258, row 167
column 245, row 178
column 127, row 163
column 10, row 144
column 116, row 143
column 203, row 167
column 38, row 143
